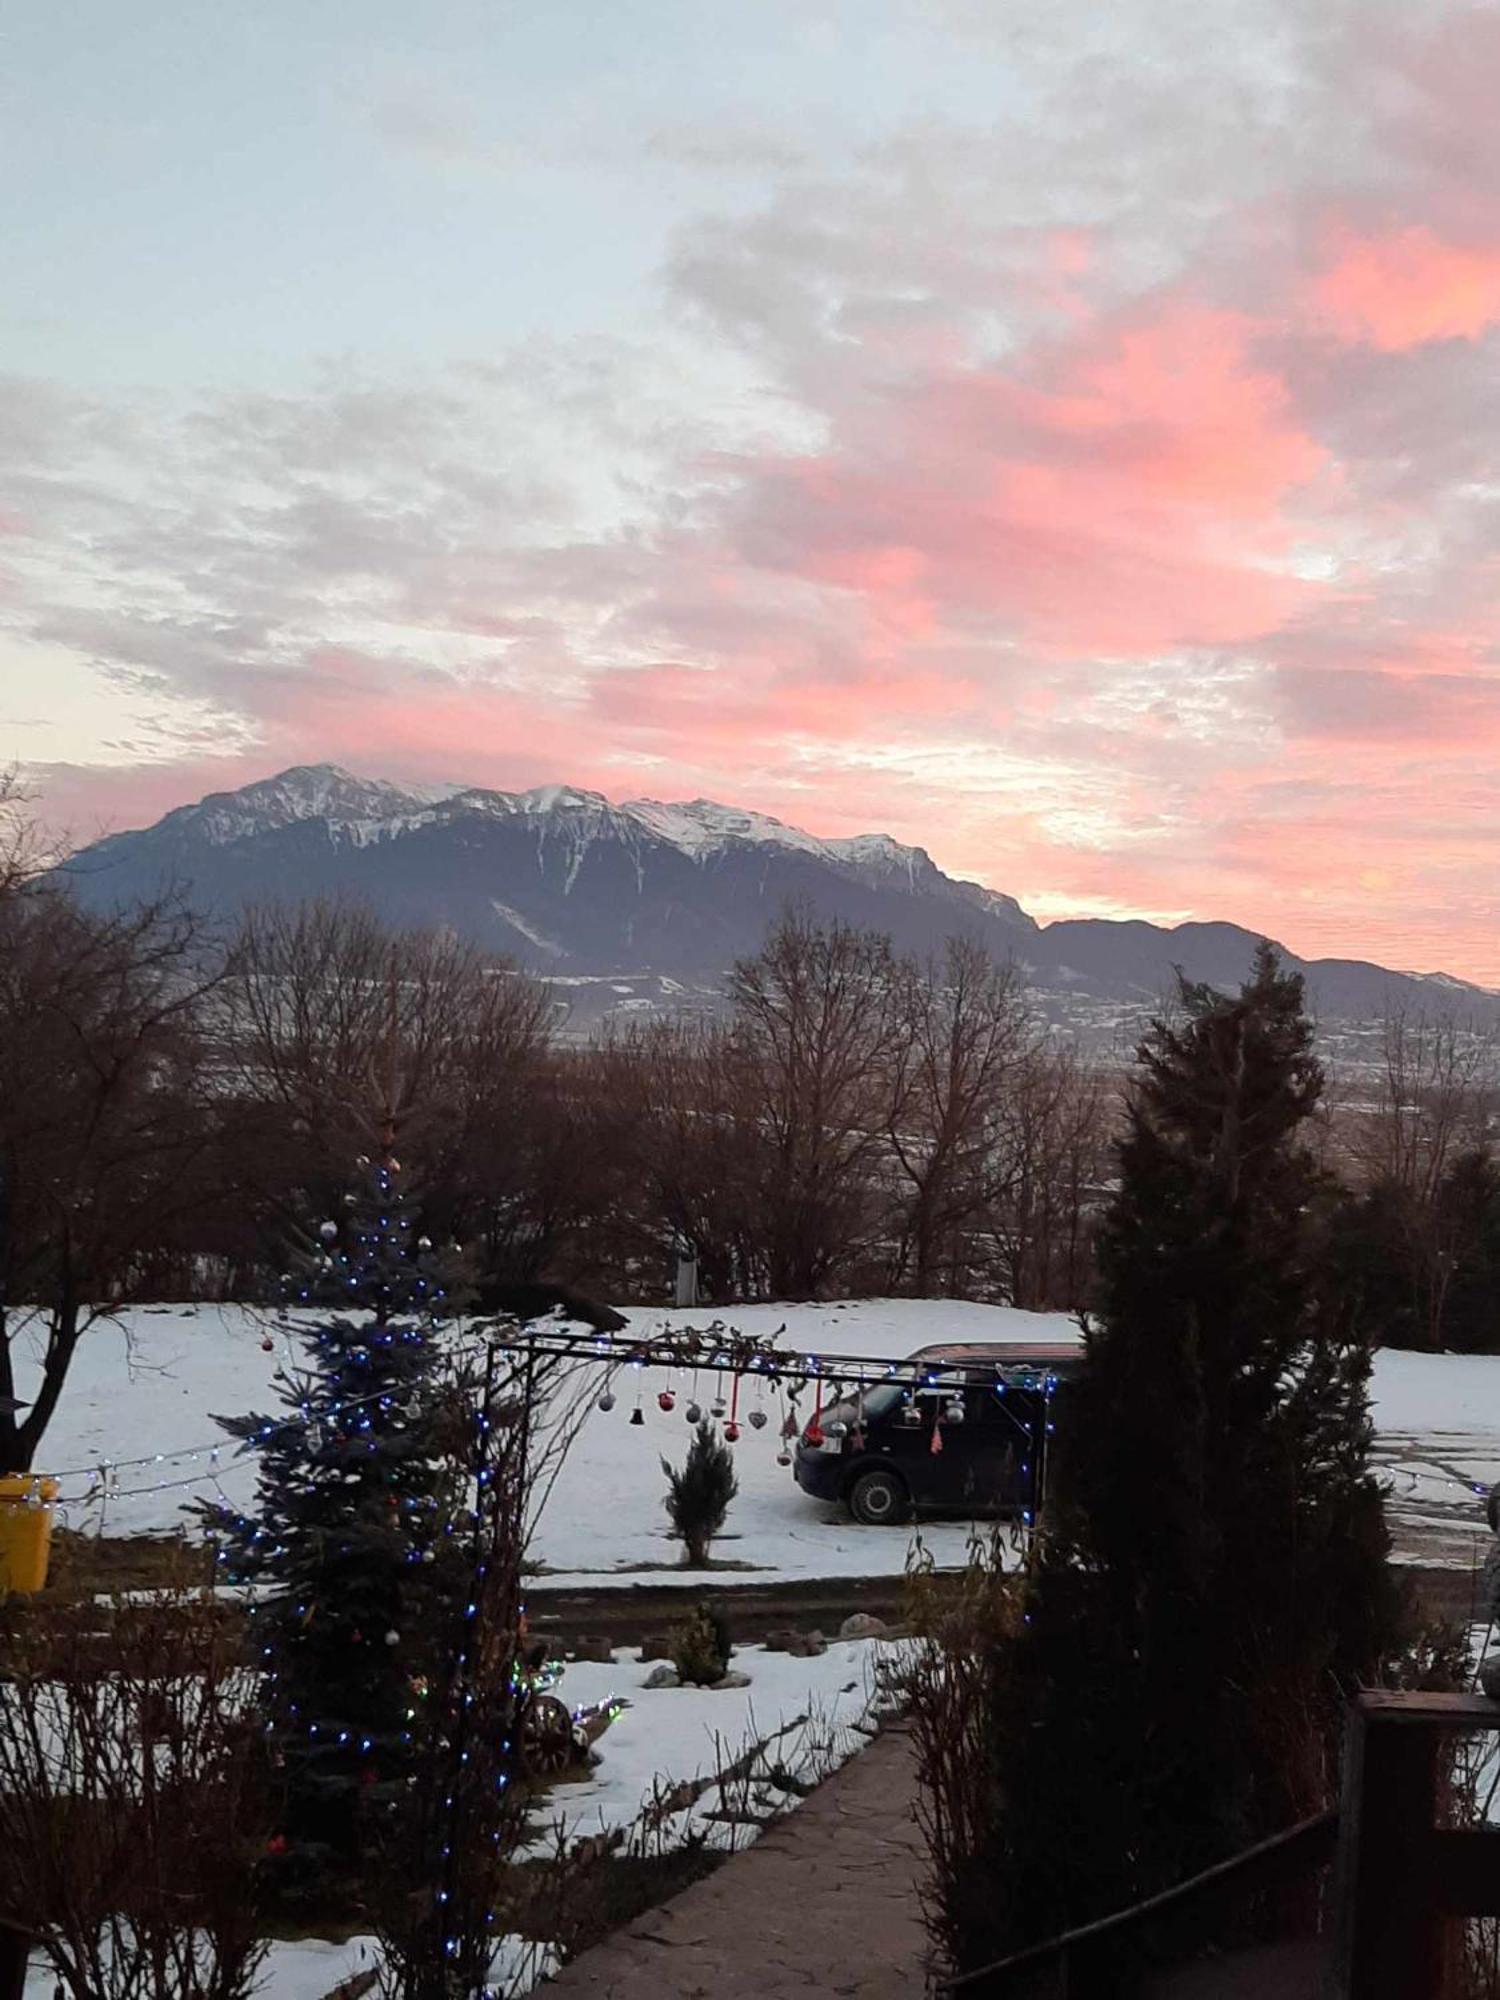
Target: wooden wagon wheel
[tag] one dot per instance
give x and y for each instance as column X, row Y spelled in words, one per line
column 547, row 1737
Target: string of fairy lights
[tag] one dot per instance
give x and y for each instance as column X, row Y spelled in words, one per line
column 740, row 1366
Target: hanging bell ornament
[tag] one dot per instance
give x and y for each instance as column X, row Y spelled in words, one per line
column 757, row 1420
column 789, row 1428
column 637, row 1415
column 694, row 1413
column 606, row 1403
column 731, row 1433
column 666, row 1400
column 719, row 1406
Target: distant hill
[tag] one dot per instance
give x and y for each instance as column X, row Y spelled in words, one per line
column 645, row 904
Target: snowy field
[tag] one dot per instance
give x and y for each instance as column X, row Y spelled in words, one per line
column 134, row 1438
column 140, row 1399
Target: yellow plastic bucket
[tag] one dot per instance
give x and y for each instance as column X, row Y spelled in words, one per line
column 25, row 1530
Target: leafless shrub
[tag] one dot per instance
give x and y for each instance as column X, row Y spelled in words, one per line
column 963, row 1632
column 131, row 1802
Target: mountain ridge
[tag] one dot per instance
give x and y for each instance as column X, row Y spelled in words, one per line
column 573, row 884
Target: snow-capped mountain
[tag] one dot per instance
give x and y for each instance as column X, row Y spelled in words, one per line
column 640, row 897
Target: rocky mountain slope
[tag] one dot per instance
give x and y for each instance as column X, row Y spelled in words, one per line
column 628, row 904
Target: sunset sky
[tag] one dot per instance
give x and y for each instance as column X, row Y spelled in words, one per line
column 1065, row 436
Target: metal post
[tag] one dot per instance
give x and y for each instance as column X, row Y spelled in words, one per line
column 687, row 1275
column 14, row 1950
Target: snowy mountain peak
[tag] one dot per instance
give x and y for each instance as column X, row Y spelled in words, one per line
column 306, row 792
column 702, row 826
column 597, row 894
column 559, row 798
column 370, row 812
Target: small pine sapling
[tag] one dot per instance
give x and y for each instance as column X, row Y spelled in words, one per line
column 699, row 1494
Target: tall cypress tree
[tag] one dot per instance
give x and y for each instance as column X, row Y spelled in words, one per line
column 1214, row 1573
column 356, row 1541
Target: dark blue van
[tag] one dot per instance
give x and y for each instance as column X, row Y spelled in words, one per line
column 964, row 1429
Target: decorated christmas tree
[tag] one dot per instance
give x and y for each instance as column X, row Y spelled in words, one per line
column 357, row 1545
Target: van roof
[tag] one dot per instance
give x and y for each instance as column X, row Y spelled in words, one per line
column 1004, row 1353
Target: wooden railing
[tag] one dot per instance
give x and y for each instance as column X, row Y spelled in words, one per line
column 1103, row 1958
column 1402, row 1883
column 1402, row 1878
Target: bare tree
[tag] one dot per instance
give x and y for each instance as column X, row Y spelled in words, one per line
column 1411, row 1144
column 687, row 1124
column 23, row 849
column 963, row 1035
column 814, row 1028
column 336, row 1031
column 101, row 1126
column 1436, row 1088
column 1062, row 1119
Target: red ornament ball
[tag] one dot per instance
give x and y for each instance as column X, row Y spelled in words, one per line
column 666, row 1400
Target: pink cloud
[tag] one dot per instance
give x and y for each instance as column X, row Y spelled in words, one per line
column 1129, row 537
column 1407, row 288
column 1126, row 493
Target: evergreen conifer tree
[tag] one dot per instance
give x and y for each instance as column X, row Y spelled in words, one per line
column 356, row 1542
column 699, row 1493
column 1213, row 1576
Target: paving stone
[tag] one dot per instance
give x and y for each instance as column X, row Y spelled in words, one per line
column 828, row 1900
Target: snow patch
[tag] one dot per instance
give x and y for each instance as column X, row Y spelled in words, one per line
column 527, row 930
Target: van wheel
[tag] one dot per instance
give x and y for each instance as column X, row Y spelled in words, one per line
column 877, row 1498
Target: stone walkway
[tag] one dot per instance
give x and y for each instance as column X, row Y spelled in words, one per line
column 827, row 1901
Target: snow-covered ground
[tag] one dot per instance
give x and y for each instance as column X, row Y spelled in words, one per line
column 140, row 1403
column 810, row 1712
column 313, row 1968
column 663, row 1779
column 1437, row 1423
column 144, row 1389
column 142, row 1393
